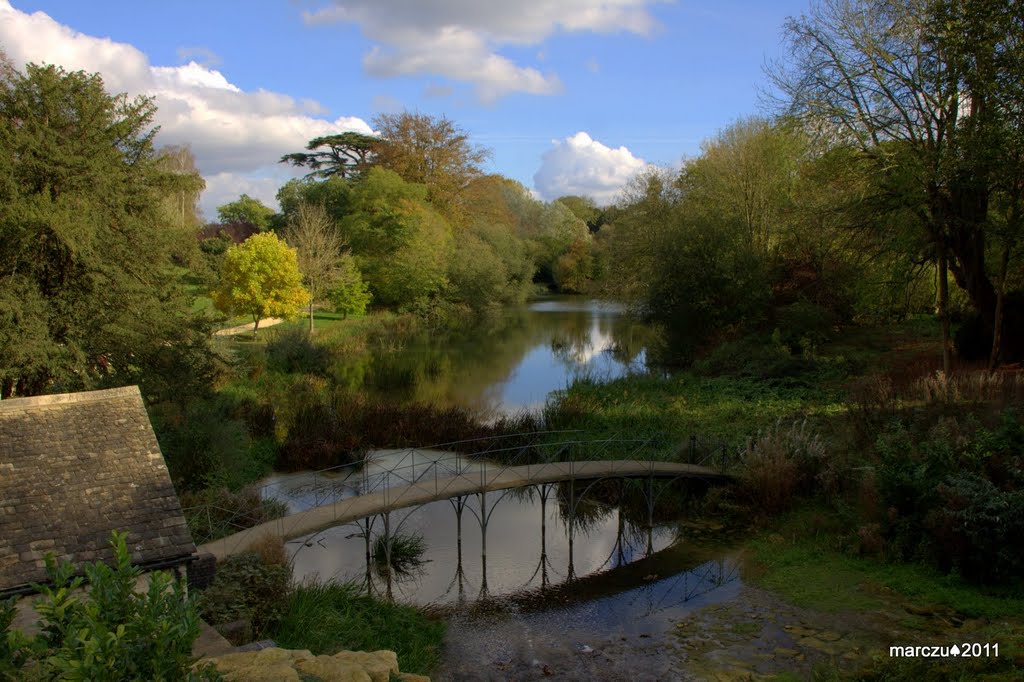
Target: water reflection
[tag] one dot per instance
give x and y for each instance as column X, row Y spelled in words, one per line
column 510, row 365
column 481, row 546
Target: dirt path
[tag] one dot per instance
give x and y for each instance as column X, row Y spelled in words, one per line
column 244, row 328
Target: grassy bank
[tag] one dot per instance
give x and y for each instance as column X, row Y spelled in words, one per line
column 328, row 617
column 908, row 603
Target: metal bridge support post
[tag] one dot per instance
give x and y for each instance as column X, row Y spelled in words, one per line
column 572, row 530
column 484, row 518
column 650, row 515
column 544, row 490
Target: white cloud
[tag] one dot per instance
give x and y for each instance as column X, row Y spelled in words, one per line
column 224, row 187
column 203, row 55
column 459, row 39
column 581, row 165
column 230, row 131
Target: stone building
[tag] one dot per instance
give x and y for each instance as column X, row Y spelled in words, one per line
column 75, row 467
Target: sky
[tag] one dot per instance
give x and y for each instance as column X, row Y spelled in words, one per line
column 570, row 96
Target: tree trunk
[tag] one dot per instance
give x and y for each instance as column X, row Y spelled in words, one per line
column 997, row 328
column 255, row 326
column 947, row 359
column 311, row 317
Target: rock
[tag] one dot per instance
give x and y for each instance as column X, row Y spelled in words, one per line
column 275, row 664
column 830, row 636
column 330, row 669
column 780, row 651
column 378, row 664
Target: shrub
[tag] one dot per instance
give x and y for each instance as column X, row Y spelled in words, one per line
column 292, row 351
column 108, row 631
column 955, row 495
column 979, row 529
column 217, row 512
column 755, row 356
column 782, row 463
column 204, row 447
column 246, row 587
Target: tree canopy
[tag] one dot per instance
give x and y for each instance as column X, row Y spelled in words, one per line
column 929, row 90
column 434, row 152
column 87, row 295
column 260, row 278
column 247, row 209
column 347, row 155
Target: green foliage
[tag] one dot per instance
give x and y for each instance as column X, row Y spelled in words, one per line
column 400, row 553
column 334, row 194
column 214, row 513
column 246, row 209
column 246, row 587
column 328, row 617
column 260, row 278
column 346, row 155
column 803, row 561
column 109, row 631
column 956, row 494
column 203, row 446
column 86, row 299
column 350, row 295
column 292, row 351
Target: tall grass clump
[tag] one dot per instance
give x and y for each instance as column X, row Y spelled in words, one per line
column 328, row 617
column 781, row 464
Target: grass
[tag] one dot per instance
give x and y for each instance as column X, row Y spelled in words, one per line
column 725, row 408
column 805, row 567
column 406, row 552
column 329, row 617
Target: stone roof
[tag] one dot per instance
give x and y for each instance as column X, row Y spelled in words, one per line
column 73, row 468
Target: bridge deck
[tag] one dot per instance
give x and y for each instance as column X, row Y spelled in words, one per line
column 488, row 477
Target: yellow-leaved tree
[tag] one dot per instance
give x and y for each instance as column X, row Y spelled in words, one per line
column 260, row 277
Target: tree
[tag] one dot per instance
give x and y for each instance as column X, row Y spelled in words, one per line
column 246, row 209
column 316, row 239
column 434, row 152
column 87, row 292
column 925, row 86
column 185, row 185
column 260, row 278
column 585, row 209
column 334, row 194
column 349, row 294
column 347, row 156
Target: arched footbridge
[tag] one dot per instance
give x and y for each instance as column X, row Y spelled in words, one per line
column 432, row 483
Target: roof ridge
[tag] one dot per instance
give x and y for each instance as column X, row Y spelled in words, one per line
column 69, row 398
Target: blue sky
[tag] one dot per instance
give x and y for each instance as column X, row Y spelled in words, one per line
column 572, row 96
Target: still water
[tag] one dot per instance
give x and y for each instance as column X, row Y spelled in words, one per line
column 511, row 365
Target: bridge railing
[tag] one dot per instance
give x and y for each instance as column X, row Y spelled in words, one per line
column 395, row 473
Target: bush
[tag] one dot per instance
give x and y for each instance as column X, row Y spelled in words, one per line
column 250, row 588
column 217, row 512
column 204, row 447
column 292, row 351
column 955, row 495
column 109, row 631
column 783, row 463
